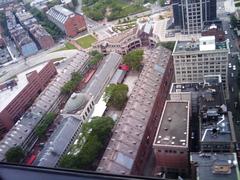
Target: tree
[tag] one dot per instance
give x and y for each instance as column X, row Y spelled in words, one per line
column 169, row 45
column 133, row 59
column 96, row 57
column 95, row 140
column 72, row 84
column 161, row 2
column 15, row 155
column 116, row 95
column 46, row 122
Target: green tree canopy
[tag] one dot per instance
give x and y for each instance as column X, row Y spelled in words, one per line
column 72, row 84
column 15, row 154
column 95, row 141
column 116, row 95
column 134, row 59
column 169, row 45
column 46, row 122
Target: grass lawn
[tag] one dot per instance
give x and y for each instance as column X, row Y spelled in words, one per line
column 86, row 41
column 68, row 46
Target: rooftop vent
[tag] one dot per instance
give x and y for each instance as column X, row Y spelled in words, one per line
column 169, row 119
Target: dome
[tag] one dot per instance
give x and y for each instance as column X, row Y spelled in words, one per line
column 76, row 102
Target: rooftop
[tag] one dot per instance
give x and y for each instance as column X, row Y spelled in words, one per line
column 60, row 13
column 204, row 44
column 103, row 75
column 58, row 142
column 219, row 166
column 22, row 129
column 11, row 90
column 184, row 87
column 120, row 37
column 124, row 144
column 173, row 128
column 76, row 102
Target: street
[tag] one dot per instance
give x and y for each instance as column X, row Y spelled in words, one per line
column 233, row 98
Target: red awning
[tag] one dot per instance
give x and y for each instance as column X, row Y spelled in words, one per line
column 124, row 67
column 31, row 159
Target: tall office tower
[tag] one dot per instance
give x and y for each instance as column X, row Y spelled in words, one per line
column 190, row 15
column 195, row 60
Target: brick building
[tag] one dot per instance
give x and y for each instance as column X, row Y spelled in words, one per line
column 43, row 39
column 133, row 136
column 66, row 20
column 128, row 40
column 21, row 92
column 171, row 144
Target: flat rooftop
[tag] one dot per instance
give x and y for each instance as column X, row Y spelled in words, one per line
column 219, row 166
column 184, row 87
column 190, row 46
column 173, row 128
column 12, row 91
column 118, row 38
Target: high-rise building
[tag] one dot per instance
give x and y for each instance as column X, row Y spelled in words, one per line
column 194, row 60
column 190, row 15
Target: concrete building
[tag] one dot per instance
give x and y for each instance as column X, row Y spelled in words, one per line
column 43, row 39
column 134, row 132
column 195, row 59
column 191, row 16
column 214, row 166
column 171, row 144
column 216, row 124
column 214, row 129
column 66, row 20
column 22, row 133
column 128, row 40
column 216, row 31
column 22, row 91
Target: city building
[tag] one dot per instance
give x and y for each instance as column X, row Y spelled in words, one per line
column 43, row 39
column 59, row 142
column 195, row 59
column 79, row 105
column 216, row 124
column 5, row 3
column 191, row 16
column 4, row 55
column 66, row 20
column 214, row 166
column 171, row 144
column 103, row 76
column 216, row 31
column 18, row 94
column 128, row 40
column 23, row 41
column 22, row 133
column 134, row 132
column 214, row 127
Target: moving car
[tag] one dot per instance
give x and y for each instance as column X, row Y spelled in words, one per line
column 234, row 67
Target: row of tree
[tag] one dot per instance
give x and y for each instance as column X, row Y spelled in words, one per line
column 96, row 134
column 95, row 58
column 72, row 84
column 46, row 122
column 50, row 27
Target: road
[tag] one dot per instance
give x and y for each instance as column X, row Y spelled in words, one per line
column 233, row 59
column 22, row 65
